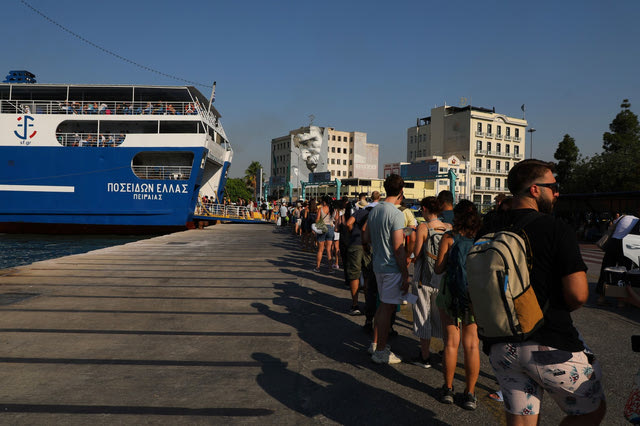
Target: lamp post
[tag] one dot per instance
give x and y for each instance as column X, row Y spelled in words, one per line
column 531, row 130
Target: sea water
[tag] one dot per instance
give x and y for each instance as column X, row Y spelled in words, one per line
column 22, row 249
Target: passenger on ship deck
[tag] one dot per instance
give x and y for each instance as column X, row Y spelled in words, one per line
column 75, row 107
column 190, row 110
column 148, row 109
column 159, row 110
column 171, row 110
column 83, row 141
column 103, row 108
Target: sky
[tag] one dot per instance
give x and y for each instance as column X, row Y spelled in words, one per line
column 365, row 66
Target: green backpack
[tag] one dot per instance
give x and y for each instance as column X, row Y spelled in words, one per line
column 505, row 305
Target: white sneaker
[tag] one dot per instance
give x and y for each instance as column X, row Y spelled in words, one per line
column 385, row 357
column 373, row 346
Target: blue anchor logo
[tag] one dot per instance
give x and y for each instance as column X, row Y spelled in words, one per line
column 25, row 130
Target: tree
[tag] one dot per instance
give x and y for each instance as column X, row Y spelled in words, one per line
column 625, row 131
column 567, row 156
column 236, row 188
column 251, row 173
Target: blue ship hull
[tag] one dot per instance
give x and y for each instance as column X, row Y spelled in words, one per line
column 90, row 189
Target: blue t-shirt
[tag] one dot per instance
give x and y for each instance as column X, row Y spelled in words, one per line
column 383, row 220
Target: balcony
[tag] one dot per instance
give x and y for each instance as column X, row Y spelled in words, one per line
column 517, row 156
column 481, row 151
column 489, row 135
column 483, row 188
column 499, row 136
column 516, row 139
column 487, row 171
column 499, row 154
column 479, row 134
column 507, row 137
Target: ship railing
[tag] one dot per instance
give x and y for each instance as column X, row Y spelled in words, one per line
column 225, row 211
column 91, row 139
column 162, row 172
column 99, row 107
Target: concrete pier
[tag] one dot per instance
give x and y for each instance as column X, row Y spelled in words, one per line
column 229, row 325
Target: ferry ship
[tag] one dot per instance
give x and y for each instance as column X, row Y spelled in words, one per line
column 107, row 158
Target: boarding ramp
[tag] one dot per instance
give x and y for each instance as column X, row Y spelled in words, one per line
column 227, row 213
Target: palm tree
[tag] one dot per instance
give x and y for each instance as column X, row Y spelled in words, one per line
column 251, row 173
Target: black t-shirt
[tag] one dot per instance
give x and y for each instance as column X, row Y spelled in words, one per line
column 555, row 254
column 360, row 217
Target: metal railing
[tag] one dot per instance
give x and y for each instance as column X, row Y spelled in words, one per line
column 225, row 211
column 162, row 172
column 101, row 107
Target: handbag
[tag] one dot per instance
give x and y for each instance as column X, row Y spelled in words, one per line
column 602, row 242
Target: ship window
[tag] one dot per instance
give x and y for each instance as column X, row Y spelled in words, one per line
column 172, row 165
column 179, row 126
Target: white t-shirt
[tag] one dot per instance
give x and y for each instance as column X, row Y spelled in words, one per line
column 624, row 225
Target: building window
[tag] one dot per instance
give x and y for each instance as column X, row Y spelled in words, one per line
column 488, row 128
column 488, row 164
column 350, row 174
column 489, row 147
column 333, row 161
column 344, row 162
column 506, row 166
column 517, row 132
column 350, row 150
column 516, row 149
column 333, row 138
column 507, row 148
column 505, row 184
column 508, row 130
column 499, row 130
column 479, row 145
column 333, row 172
column 339, row 138
column 351, row 162
column 333, row 149
column 487, row 182
column 497, row 183
column 479, row 127
column 478, row 164
column 498, row 165
column 339, row 150
column 478, row 181
column 499, row 147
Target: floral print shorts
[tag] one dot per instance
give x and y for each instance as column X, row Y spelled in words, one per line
column 525, row 370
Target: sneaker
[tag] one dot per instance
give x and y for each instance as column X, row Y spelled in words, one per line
column 421, row 362
column 316, row 269
column 446, row 395
column 373, row 346
column 385, row 357
column 355, row 311
column 470, row 402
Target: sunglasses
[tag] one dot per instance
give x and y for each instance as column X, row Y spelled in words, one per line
column 555, row 186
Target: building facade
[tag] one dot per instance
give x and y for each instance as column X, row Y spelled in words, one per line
column 312, row 149
column 491, row 143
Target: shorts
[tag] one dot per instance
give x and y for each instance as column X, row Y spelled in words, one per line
column 389, row 287
column 358, row 260
column 327, row 236
column 298, row 222
column 525, row 370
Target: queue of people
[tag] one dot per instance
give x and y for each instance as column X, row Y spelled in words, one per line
column 382, row 246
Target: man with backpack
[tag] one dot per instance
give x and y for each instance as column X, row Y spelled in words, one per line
column 533, row 346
